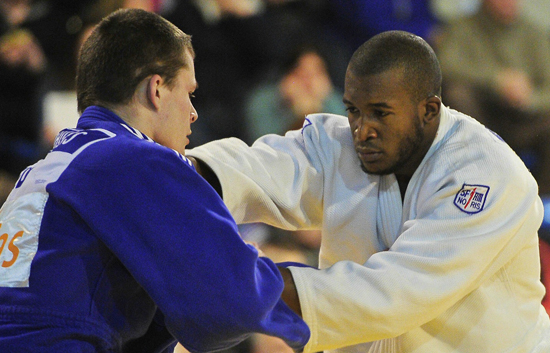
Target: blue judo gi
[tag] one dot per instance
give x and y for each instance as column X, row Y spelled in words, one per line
column 113, row 243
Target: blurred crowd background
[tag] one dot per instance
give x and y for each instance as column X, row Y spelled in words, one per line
column 262, row 65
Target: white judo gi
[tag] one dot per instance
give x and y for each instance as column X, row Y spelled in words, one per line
column 461, row 270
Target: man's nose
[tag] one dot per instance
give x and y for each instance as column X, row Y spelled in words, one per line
column 364, row 131
column 194, row 115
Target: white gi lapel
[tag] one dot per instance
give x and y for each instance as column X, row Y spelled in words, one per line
column 390, row 209
column 389, row 218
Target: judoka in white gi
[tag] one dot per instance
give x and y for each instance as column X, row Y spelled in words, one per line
column 429, row 220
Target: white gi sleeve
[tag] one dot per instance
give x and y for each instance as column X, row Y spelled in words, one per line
column 278, row 178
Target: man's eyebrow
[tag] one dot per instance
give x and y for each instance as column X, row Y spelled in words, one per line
column 380, row 105
column 375, row 105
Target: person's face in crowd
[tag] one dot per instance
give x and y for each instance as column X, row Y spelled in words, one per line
column 504, row 11
column 174, row 125
column 312, row 72
column 385, row 123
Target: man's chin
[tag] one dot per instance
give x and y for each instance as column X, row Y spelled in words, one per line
column 371, row 171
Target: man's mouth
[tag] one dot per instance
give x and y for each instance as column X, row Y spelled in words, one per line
column 369, row 155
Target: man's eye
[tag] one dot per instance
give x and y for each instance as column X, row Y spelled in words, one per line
column 191, row 95
column 380, row 113
column 351, row 110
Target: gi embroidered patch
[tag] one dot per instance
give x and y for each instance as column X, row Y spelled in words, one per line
column 471, row 198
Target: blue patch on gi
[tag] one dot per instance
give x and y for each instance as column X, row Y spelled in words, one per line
column 471, row 198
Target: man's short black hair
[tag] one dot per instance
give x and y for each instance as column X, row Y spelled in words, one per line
column 399, row 49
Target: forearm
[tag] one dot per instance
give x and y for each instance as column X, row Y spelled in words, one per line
column 290, row 294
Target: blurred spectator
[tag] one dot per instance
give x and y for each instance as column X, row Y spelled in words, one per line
column 237, row 41
column 22, row 67
column 536, row 11
column 37, row 43
column 304, row 87
column 57, row 25
column 496, row 68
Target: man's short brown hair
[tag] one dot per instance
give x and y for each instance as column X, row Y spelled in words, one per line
column 126, row 47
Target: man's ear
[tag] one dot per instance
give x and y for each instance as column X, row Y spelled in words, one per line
column 432, row 107
column 154, row 90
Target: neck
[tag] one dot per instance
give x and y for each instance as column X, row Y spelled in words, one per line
column 133, row 116
column 403, row 182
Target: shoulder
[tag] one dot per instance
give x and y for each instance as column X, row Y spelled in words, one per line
column 123, row 165
column 325, row 134
column 470, row 165
column 326, row 138
column 467, row 150
column 110, row 149
column 332, row 125
column 460, row 134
